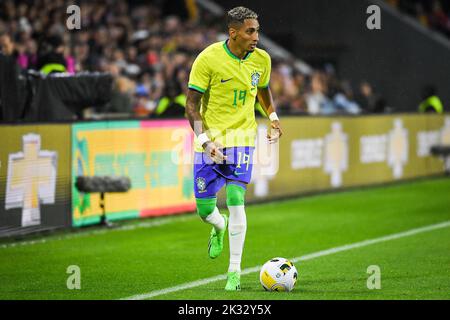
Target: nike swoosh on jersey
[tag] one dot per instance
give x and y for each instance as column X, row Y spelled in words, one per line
column 239, row 173
column 235, row 233
column 223, row 81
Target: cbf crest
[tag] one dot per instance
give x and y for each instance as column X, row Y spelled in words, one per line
column 255, row 78
column 201, row 184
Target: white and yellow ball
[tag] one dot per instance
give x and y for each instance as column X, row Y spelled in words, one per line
column 278, row 274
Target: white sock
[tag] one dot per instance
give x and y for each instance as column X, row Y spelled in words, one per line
column 237, row 227
column 216, row 219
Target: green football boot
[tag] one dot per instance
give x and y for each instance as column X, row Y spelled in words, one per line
column 215, row 245
column 233, row 281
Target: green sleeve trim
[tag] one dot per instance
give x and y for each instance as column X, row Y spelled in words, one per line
column 197, row 88
column 264, row 86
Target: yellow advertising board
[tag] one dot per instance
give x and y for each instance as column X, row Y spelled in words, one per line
column 322, row 153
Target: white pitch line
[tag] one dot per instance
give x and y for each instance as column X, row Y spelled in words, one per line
column 310, row 256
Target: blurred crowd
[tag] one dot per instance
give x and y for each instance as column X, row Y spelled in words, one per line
column 149, row 49
column 434, row 14
column 321, row 92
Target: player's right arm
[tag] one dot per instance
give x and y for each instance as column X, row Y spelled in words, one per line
column 193, row 102
column 199, row 79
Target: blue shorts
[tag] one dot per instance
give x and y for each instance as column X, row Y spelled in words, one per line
column 210, row 177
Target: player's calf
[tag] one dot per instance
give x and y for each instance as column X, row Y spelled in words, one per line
column 237, row 229
column 209, row 213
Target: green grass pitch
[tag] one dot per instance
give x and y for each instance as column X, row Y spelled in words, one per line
column 154, row 254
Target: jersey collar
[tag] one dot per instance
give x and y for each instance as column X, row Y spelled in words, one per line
column 227, row 50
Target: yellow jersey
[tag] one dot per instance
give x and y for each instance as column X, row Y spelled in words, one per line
column 229, row 86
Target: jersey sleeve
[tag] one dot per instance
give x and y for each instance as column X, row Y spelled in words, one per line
column 265, row 78
column 200, row 75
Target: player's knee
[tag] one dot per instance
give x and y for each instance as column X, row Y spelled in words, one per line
column 235, row 195
column 205, row 206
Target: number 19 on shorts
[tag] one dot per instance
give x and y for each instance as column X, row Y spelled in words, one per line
column 243, row 159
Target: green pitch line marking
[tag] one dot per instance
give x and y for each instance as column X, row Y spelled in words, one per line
column 310, row 256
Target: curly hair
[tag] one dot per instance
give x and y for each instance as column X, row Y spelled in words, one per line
column 239, row 14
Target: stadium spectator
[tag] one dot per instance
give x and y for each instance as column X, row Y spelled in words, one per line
column 421, row 15
column 433, row 14
column 144, row 105
column 439, row 19
column 11, row 101
column 317, row 101
column 430, row 102
column 7, row 45
column 368, row 100
column 298, row 102
column 344, row 101
column 122, row 93
column 173, row 103
column 148, row 48
column 51, row 56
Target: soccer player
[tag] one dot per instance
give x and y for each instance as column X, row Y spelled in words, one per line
column 224, row 82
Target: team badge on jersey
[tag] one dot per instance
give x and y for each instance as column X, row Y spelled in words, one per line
column 255, row 78
column 201, row 184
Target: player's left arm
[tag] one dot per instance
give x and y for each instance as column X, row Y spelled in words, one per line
column 266, row 100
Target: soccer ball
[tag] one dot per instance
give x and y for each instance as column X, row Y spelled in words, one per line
column 278, row 274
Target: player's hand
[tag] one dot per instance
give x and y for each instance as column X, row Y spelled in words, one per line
column 275, row 132
column 214, row 151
